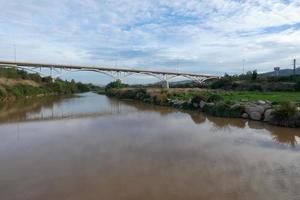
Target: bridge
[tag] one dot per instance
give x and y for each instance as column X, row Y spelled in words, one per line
column 115, row 73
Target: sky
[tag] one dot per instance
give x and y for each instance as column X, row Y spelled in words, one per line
column 205, row 36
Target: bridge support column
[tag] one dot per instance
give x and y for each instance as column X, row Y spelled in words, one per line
column 166, row 84
column 52, row 79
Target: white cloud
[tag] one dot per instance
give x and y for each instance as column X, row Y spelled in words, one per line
column 210, row 35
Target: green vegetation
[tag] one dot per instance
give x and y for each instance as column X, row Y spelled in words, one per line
column 214, row 98
column 17, row 83
column 115, row 85
column 223, row 109
column 221, row 103
column 252, row 81
column 275, row 97
column 286, row 115
column 196, row 99
column 250, row 96
column 285, row 111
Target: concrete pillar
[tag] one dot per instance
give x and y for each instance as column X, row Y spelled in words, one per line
column 166, row 84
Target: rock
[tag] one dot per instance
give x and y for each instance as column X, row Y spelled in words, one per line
column 210, row 104
column 268, row 115
column 249, row 108
column 268, row 102
column 261, row 102
column 235, row 106
column 255, row 111
column 245, row 116
column 298, row 109
column 195, row 105
column 255, row 115
column 178, row 103
column 202, row 104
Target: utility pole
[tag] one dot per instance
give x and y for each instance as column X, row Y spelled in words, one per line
column 294, row 66
column 15, row 53
column 243, row 66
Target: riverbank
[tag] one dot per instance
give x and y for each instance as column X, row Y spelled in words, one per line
column 16, row 84
column 212, row 102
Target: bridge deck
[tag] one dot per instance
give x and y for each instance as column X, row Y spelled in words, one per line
column 100, row 68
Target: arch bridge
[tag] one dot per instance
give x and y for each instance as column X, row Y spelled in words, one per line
column 115, row 73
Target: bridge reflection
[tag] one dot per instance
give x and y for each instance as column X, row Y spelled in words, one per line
column 93, row 106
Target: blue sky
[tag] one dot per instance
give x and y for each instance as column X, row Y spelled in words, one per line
column 210, row 36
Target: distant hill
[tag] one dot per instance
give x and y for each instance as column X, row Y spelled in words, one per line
column 283, row 72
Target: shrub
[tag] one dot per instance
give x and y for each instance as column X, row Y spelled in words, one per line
column 115, row 85
column 47, row 79
column 284, row 112
column 254, row 75
column 215, row 98
column 197, row 99
column 222, row 83
column 237, row 111
column 209, row 109
column 160, row 99
column 83, row 87
column 2, row 92
column 141, row 94
column 35, row 77
column 255, row 87
column 128, row 94
column 222, row 110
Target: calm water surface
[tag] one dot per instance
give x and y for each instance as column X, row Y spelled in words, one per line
column 92, row 147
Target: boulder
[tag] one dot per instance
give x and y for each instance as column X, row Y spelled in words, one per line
column 178, row 103
column 210, row 104
column 268, row 102
column 245, row 116
column 268, row 115
column 202, row 104
column 235, row 106
column 256, row 111
column 195, row 105
column 255, row 115
column 261, row 102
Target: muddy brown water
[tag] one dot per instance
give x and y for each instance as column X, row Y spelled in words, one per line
column 92, row 147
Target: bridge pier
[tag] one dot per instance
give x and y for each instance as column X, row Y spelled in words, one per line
column 52, row 79
column 166, row 84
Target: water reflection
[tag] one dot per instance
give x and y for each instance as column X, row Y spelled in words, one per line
column 93, row 147
column 55, row 108
column 279, row 134
column 92, row 105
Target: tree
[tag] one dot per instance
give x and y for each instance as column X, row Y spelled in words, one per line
column 115, row 84
column 254, row 75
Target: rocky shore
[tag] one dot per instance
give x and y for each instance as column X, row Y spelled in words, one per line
column 286, row 115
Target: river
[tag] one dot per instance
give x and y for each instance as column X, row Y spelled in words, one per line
column 92, row 147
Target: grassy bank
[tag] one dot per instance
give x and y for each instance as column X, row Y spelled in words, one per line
column 273, row 107
column 16, row 84
column 255, row 95
column 246, row 96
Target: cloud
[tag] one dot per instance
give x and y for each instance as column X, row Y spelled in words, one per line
column 211, row 36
